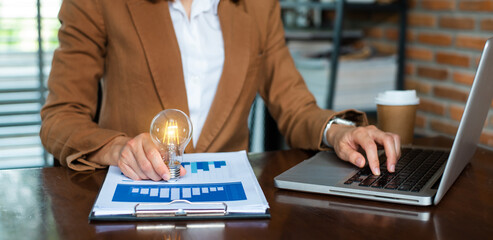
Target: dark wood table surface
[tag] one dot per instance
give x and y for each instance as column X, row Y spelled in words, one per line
column 54, row 203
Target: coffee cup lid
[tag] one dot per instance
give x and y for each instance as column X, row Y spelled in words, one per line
column 397, row 97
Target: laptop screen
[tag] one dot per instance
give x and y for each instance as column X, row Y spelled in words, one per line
column 472, row 121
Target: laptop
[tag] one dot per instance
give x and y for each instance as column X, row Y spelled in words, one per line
column 423, row 175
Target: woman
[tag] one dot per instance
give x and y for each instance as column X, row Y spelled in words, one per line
column 208, row 58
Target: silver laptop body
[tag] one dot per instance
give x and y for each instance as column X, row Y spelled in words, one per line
column 326, row 173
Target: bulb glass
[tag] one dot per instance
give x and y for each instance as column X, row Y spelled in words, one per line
column 171, row 131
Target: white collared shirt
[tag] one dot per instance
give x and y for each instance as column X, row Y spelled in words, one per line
column 202, row 55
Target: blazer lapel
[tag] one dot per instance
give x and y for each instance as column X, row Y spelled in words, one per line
column 155, row 28
column 235, row 26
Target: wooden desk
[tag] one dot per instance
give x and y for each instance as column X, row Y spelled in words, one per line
column 54, row 203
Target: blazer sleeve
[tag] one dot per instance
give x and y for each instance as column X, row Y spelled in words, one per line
column 286, row 95
column 68, row 130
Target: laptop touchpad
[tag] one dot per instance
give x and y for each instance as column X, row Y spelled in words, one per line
column 323, row 168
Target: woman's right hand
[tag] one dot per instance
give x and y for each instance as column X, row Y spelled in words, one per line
column 138, row 158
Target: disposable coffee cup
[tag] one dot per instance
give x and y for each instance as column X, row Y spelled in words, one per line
column 396, row 113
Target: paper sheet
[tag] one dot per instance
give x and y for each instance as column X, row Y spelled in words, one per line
column 211, row 177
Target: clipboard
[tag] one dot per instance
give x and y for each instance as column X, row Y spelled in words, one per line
column 230, row 192
column 179, row 210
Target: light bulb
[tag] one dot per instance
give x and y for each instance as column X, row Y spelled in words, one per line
column 171, row 131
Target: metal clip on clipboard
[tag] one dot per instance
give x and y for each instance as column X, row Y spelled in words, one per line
column 180, row 208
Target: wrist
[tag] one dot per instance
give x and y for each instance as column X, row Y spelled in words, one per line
column 110, row 152
column 333, row 127
column 335, row 131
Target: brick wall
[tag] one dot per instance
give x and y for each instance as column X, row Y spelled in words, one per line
column 444, row 43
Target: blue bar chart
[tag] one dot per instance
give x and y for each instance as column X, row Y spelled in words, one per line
column 206, row 171
column 219, row 192
column 201, row 171
column 204, row 166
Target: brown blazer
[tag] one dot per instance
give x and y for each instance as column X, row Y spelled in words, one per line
column 131, row 47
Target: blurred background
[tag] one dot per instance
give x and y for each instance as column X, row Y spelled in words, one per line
column 28, row 37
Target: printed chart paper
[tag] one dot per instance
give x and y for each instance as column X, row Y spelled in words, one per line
column 211, row 177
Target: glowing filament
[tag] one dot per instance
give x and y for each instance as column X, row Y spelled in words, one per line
column 170, row 135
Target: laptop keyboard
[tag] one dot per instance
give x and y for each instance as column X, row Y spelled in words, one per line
column 412, row 171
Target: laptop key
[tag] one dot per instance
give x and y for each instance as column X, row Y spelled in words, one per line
column 380, row 183
column 368, row 181
column 355, row 178
column 405, row 187
column 365, row 172
column 391, row 186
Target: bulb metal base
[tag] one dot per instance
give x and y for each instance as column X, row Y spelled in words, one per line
column 174, row 173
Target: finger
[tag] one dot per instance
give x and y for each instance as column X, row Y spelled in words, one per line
column 396, row 146
column 127, row 157
column 128, row 171
column 155, row 158
column 391, row 155
column 142, row 160
column 183, row 171
column 370, row 148
column 387, row 141
column 347, row 153
column 397, row 141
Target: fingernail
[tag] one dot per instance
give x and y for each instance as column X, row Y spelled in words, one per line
column 376, row 171
column 392, row 168
column 166, row 177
